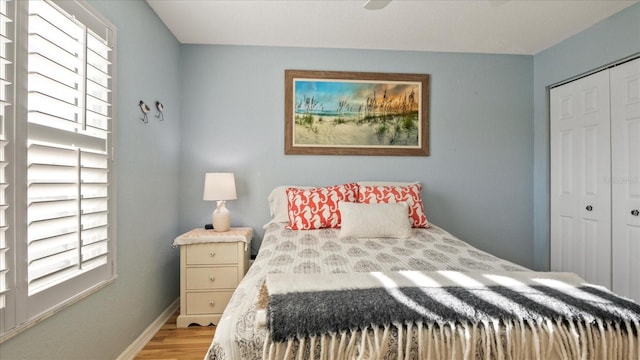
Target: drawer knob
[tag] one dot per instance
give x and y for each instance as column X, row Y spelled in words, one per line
column 212, row 303
column 589, row 207
column 212, row 253
column 635, row 212
column 212, row 278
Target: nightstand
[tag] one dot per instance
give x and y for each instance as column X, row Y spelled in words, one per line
column 211, row 266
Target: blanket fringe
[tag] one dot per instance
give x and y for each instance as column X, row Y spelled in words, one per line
column 497, row 340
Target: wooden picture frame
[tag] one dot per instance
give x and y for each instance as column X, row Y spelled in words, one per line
column 356, row 113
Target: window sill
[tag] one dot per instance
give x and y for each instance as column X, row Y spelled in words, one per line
column 38, row 319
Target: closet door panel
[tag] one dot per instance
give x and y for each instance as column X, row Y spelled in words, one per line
column 580, row 159
column 563, row 176
column 625, row 179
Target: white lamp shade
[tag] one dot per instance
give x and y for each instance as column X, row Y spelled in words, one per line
column 219, row 186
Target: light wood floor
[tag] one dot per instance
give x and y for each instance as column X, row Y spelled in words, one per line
column 172, row 343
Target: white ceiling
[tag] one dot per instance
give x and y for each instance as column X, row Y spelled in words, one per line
column 477, row 26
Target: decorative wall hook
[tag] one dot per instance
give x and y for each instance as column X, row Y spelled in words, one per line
column 145, row 109
column 160, row 109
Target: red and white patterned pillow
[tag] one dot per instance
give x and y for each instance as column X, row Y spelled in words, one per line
column 317, row 208
column 370, row 194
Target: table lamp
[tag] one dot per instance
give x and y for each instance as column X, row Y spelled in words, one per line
column 220, row 187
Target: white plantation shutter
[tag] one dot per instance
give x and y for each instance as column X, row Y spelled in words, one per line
column 65, row 243
column 68, row 152
column 6, row 118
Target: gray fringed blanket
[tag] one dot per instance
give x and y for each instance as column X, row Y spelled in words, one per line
column 446, row 314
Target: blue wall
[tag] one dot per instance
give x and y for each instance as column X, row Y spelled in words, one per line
column 610, row 40
column 477, row 181
column 105, row 323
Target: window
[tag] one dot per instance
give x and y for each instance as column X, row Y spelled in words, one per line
column 57, row 218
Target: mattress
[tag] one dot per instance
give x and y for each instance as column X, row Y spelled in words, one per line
column 322, row 251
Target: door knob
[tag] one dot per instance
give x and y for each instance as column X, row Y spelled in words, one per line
column 589, row 208
column 635, row 212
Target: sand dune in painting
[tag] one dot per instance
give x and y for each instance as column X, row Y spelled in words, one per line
column 330, row 131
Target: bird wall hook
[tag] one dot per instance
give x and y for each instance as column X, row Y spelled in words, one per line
column 160, row 109
column 145, row 109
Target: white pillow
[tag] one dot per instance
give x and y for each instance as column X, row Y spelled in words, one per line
column 385, row 183
column 374, row 220
column 278, row 203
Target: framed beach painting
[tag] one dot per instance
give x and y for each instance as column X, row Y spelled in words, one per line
column 356, row 113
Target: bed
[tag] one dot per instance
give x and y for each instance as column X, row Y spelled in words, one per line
column 245, row 330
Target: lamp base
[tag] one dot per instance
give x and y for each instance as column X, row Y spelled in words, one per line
column 221, row 218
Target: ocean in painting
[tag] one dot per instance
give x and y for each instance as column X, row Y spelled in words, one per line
column 356, row 114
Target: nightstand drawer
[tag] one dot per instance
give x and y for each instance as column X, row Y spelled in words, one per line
column 218, row 253
column 212, row 278
column 207, row 302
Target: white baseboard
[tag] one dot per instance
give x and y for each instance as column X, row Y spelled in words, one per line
column 138, row 344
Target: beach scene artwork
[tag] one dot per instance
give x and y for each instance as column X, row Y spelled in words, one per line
column 354, row 113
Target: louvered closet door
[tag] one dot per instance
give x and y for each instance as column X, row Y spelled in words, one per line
column 580, row 160
column 625, row 147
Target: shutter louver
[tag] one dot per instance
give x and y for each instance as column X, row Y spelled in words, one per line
column 69, row 114
column 7, row 54
column 94, row 205
column 52, row 217
column 55, row 68
column 98, row 106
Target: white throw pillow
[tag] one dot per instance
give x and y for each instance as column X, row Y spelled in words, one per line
column 374, row 220
column 385, row 183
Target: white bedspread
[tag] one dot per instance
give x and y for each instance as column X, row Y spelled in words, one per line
column 321, row 251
